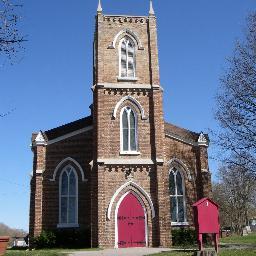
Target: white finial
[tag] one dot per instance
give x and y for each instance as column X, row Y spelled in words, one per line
column 40, row 139
column 202, row 140
column 99, row 7
column 151, row 9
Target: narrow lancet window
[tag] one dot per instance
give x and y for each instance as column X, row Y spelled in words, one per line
column 68, row 197
column 127, row 58
column 177, row 197
column 128, row 130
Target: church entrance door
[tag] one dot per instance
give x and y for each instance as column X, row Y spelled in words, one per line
column 131, row 223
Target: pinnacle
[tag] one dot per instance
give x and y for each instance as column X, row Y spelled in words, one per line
column 151, row 9
column 99, row 9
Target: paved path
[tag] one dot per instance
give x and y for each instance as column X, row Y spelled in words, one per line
column 122, row 252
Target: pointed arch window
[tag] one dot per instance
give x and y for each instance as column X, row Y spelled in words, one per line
column 127, row 58
column 128, row 130
column 177, row 197
column 68, row 198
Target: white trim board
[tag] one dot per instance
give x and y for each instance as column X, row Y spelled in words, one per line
column 71, row 134
column 116, row 161
column 123, row 86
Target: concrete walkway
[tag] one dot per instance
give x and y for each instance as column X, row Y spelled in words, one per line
column 122, row 252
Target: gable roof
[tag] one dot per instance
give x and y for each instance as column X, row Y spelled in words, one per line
column 171, row 129
column 68, row 128
column 203, row 200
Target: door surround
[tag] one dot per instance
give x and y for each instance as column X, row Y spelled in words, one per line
column 116, row 214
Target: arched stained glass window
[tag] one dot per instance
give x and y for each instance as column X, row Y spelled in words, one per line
column 128, row 130
column 68, row 197
column 177, row 197
column 127, row 58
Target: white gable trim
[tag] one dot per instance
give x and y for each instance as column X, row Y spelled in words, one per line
column 136, row 186
column 40, row 141
column 129, row 33
column 69, row 135
column 74, row 162
column 143, row 117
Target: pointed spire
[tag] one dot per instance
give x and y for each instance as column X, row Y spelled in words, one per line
column 99, row 7
column 151, row 9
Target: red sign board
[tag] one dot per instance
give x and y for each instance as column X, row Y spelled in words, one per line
column 206, row 214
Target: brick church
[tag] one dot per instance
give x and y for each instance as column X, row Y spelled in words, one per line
column 123, row 172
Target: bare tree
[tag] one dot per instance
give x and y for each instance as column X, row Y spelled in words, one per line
column 10, row 37
column 235, row 194
column 236, row 103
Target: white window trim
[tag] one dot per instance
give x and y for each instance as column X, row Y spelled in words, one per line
column 116, row 213
column 66, row 160
column 120, row 78
column 68, row 225
column 176, row 195
column 130, row 78
column 128, row 152
column 132, row 153
column 132, row 34
column 133, row 184
column 185, row 223
column 134, row 101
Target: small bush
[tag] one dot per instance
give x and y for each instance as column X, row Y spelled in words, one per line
column 73, row 238
column 184, row 237
column 63, row 238
column 47, row 239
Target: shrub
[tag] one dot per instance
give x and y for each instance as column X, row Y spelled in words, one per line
column 184, row 236
column 62, row 238
column 47, row 239
column 73, row 238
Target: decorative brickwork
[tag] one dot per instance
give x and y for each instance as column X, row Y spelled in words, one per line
column 92, row 146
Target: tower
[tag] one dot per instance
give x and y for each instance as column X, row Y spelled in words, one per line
column 128, row 127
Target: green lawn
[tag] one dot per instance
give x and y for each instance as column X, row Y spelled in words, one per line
column 250, row 239
column 222, row 253
column 56, row 252
column 34, row 253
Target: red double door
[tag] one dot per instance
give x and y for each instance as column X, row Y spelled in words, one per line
column 131, row 223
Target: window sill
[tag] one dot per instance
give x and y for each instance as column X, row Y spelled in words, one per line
column 71, row 225
column 127, row 79
column 131, row 153
column 180, row 223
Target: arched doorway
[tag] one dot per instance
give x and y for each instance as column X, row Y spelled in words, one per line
column 131, row 222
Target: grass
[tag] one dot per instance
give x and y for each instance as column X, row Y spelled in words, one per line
column 222, row 253
column 245, row 241
column 250, row 239
column 34, row 253
column 50, row 252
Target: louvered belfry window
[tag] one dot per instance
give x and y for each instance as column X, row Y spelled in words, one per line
column 127, row 58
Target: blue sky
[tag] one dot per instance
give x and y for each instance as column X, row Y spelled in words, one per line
column 50, row 84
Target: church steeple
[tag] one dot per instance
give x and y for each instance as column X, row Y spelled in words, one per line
column 151, row 9
column 99, row 9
